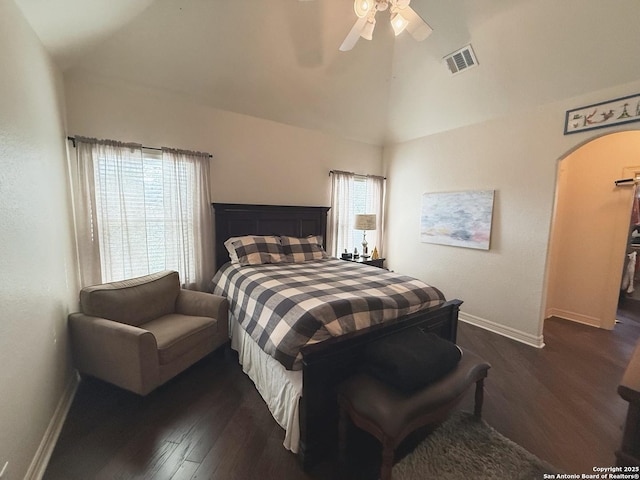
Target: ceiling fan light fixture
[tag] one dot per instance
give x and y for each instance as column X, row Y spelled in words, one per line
column 382, row 5
column 402, row 17
column 362, row 7
column 367, row 31
column 399, row 23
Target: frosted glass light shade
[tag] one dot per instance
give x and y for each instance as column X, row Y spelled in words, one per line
column 362, row 7
column 399, row 23
column 366, row 221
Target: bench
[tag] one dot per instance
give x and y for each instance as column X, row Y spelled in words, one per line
column 390, row 415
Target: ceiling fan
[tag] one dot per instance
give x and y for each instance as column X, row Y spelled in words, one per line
column 403, row 17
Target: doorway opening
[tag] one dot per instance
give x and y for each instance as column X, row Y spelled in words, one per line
column 590, row 230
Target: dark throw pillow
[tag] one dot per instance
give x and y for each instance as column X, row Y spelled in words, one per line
column 411, row 359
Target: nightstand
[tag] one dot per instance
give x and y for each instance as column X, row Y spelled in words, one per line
column 378, row 262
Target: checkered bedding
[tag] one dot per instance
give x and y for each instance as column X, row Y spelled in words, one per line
column 289, row 305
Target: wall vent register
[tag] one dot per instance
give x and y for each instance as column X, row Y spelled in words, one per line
column 461, row 60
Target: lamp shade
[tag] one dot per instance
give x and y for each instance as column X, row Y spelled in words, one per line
column 399, row 23
column 366, row 221
column 362, row 7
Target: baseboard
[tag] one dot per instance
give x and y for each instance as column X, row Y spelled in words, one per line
column 574, row 317
column 512, row 333
column 41, row 459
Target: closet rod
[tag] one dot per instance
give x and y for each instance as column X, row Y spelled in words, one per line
column 73, row 140
column 624, row 181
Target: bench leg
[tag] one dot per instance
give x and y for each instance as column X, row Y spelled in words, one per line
column 479, row 399
column 343, row 420
column 387, row 459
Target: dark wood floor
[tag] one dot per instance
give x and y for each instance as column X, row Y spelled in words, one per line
column 559, row 402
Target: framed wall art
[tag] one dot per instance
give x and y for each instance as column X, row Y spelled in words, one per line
column 461, row 219
column 603, row 114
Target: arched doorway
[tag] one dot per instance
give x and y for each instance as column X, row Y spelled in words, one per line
column 590, row 229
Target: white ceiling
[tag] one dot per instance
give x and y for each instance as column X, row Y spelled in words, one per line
column 279, row 59
column 72, row 28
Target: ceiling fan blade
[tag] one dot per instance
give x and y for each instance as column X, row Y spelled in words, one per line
column 353, row 35
column 417, row 27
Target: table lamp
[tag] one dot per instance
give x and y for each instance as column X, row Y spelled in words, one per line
column 365, row 222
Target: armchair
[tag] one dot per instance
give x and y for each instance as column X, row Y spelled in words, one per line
column 139, row 333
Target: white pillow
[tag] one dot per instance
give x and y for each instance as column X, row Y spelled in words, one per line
column 232, row 251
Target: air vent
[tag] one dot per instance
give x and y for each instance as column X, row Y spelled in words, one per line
column 461, row 60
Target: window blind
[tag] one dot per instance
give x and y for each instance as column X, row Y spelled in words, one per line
column 144, row 214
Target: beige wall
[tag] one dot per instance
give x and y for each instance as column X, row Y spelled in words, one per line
column 503, row 289
column 38, row 281
column 254, row 160
column 590, row 230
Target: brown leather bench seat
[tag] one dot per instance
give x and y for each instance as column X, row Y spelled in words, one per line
column 391, row 415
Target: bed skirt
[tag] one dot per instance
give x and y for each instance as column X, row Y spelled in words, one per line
column 280, row 388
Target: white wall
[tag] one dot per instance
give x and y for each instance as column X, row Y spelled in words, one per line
column 503, row 288
column 38, row 280
column 254, row 160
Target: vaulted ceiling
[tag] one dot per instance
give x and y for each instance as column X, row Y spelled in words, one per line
column 279, row 59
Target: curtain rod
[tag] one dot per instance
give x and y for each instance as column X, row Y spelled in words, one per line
column 359, row 174
column 73, row 140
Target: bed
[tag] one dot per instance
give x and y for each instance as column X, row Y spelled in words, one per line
column 299, row 386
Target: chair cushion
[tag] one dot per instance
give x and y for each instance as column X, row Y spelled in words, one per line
column 177, row 334
column 411, row 359
column 134, row 301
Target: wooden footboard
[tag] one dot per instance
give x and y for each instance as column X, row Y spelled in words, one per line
column 328, row 363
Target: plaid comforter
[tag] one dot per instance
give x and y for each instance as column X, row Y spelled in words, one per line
column 288, row 305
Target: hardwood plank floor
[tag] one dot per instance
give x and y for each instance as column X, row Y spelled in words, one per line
column 560, row 403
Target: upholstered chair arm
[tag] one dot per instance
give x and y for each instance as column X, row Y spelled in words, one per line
column 201, row 304
column 191, row 302
column 122, row 354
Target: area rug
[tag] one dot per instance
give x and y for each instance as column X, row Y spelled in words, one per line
column 465, row 447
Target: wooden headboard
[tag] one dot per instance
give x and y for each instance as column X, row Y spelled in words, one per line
column 235, row 220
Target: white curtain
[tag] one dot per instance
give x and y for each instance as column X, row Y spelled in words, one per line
column 375, row 204
column 139, row 212
column 86, row 212
column 193, row 208
column 341, row 217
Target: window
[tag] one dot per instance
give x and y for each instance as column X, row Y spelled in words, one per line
column 140, row 228
column 359, row 204
column 140, row 211
column 351, row 195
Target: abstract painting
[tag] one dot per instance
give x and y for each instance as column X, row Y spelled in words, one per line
column 461, row 219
